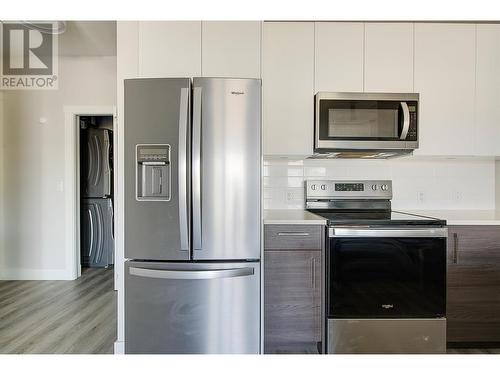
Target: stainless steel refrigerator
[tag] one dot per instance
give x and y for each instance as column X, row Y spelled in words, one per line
column 192, row 215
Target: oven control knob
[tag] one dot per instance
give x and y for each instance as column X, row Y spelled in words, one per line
column 323, row 187
column 384, row 187
column 374, row 187
column 313, row 187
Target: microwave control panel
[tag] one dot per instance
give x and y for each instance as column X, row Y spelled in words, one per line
column 412, row 130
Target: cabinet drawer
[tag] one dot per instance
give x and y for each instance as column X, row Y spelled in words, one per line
column 288, row 237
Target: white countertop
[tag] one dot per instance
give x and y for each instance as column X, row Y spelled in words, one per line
column 452, row 217
column 461, row 217
column 292, row 217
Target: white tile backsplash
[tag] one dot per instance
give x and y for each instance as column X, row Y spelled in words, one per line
column 432, row 184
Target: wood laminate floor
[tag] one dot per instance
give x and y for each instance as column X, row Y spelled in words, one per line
column 77, row 316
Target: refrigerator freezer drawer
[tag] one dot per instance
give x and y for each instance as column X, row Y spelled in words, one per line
column 192, row 308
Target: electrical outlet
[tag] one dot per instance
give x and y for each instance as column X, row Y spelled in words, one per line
column 421, row 197
column 456, row 197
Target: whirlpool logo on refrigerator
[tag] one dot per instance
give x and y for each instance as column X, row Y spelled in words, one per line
column 28, row 56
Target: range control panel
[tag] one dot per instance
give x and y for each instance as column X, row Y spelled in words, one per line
column 348, row 189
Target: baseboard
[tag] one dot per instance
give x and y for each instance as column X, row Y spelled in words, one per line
column 119, row 347
column 35, row 274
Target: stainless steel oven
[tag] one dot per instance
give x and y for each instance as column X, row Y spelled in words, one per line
column 385, row 271
column 386, row 289
column 365, row 124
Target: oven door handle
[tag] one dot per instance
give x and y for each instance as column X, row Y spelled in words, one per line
column 388, row 233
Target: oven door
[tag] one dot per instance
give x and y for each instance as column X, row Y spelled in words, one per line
column 365, row 121
column 386, row 272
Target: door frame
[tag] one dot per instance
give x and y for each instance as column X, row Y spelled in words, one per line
column 72, row 180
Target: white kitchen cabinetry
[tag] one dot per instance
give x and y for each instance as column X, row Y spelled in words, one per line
column 338, row 56
column 388, row 57
column 487, row 111
column 445, row 79
column 231, row 49
column 288, row 88
column 169, row 48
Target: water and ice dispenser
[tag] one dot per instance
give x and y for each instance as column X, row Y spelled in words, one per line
column 153, row 178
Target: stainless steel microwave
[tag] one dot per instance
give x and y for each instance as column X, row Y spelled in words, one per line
column 365, row 125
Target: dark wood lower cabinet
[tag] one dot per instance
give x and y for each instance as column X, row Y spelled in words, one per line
column 292, row 301
column 473, row 300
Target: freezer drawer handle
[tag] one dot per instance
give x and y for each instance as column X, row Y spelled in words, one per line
column 193, row 274
column 299, row 234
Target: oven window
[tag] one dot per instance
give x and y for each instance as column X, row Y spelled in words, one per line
column 362, row 119
column 387, row 277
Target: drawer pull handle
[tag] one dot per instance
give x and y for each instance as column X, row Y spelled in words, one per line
column 313, row 272
column 293, row 234
column 455, row 248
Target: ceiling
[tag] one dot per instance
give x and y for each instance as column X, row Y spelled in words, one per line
column 88, row 38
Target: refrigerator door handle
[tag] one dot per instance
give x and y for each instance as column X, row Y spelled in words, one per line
column 196, row 167
column 192, row 274
column 183, row 178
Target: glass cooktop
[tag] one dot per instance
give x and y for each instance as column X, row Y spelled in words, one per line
column 376, row 218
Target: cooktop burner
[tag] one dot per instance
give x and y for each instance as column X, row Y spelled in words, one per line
column 376, row 218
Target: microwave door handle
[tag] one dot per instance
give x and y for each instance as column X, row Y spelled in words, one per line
column 406, row 120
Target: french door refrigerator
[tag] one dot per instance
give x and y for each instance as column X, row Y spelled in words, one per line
column 192, row 215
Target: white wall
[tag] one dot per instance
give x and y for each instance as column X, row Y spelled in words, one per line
column 418, row 184
column 33, row 160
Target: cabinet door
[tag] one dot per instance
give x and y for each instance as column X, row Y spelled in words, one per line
column 445, row 79
column 487, row 127
column 473, row 301
column 388, row 57
column 231, row 49
column 287, row 80
column 169, row 48
column 338, row 56
column 292, row 301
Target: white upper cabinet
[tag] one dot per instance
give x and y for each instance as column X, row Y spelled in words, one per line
column 288, row 80
column 445, row 79
column 169, row 48
column 487, row 125
column 338, row 56
column 231, row 49
column 388, row 57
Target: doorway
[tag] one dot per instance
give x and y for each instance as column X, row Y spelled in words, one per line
column 96, row 201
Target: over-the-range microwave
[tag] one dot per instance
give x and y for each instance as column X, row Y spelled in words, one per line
column 365, row 125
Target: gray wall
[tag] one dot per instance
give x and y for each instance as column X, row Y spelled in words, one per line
column 33, row 166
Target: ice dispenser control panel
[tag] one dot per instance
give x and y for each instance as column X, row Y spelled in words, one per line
column 153, row 177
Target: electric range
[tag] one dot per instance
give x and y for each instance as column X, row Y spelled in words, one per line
column 385, row 287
